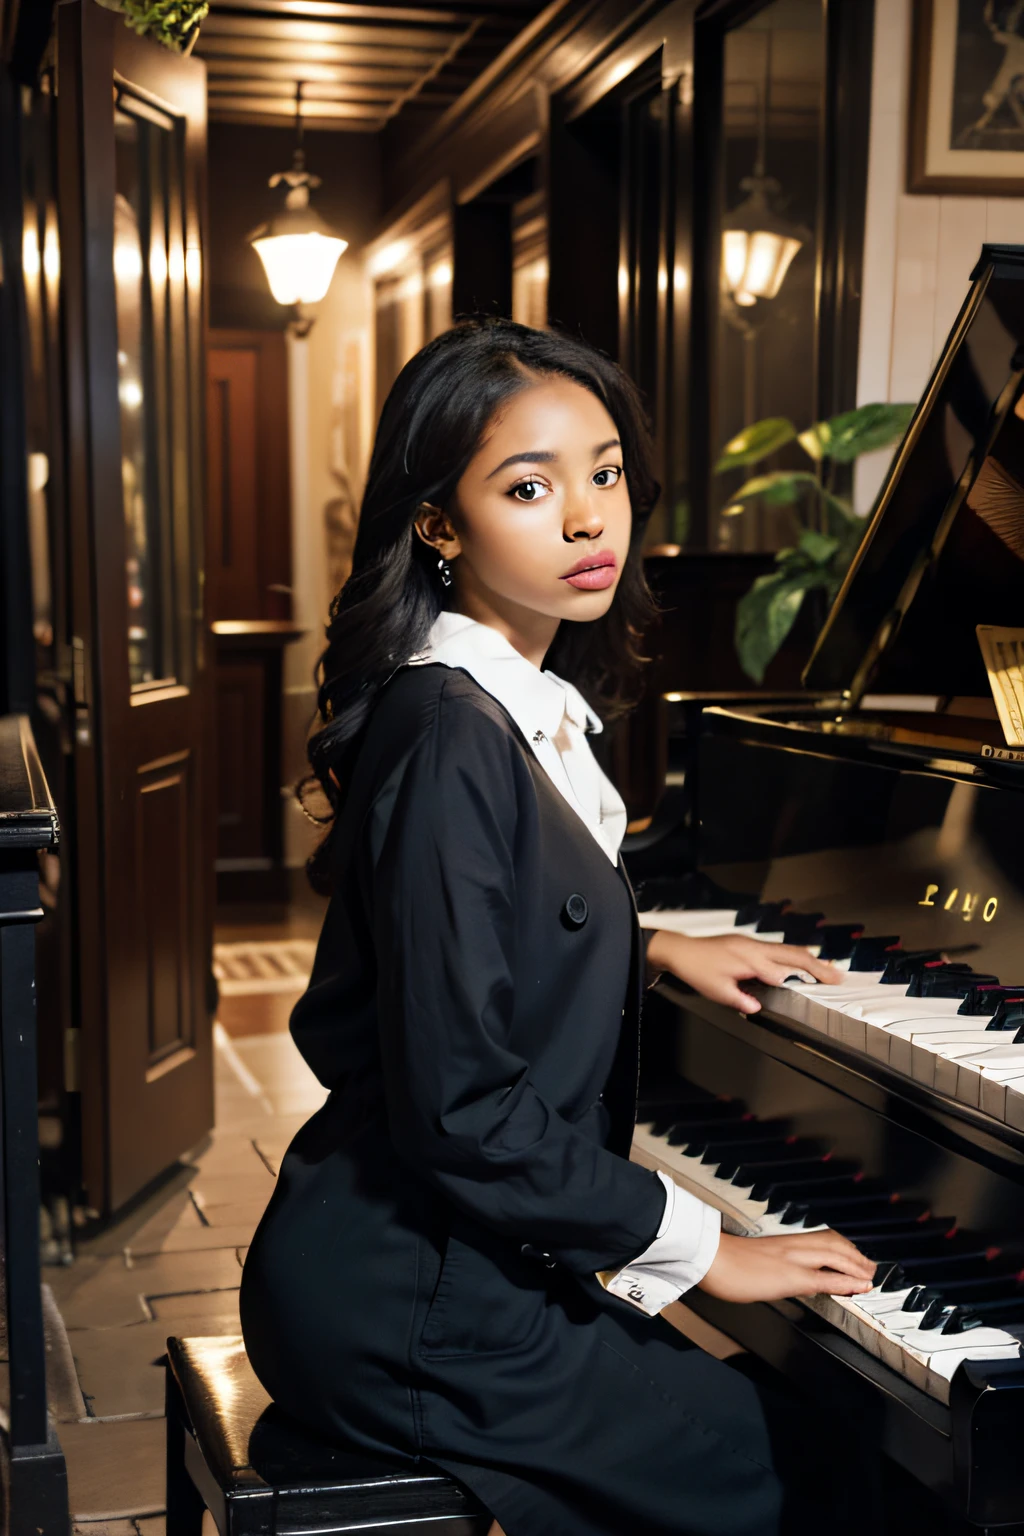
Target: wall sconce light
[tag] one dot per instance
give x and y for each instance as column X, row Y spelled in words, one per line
column 298, row 249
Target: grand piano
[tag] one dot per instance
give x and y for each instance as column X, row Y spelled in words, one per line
column 880, row 819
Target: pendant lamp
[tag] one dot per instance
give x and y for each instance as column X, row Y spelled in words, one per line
column 298, row 249
column 757, row 244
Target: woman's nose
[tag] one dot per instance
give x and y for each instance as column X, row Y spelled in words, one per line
column 582, row 521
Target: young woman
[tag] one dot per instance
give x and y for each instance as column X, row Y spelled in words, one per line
column 459, row 1262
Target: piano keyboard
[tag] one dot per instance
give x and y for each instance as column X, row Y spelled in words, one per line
column 953, row 1030
column 941, row 1295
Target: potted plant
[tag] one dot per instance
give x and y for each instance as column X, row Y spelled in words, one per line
column 174, row 23
column 830, row 532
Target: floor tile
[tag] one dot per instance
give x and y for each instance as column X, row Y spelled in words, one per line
column 168, row 1274
column 115, row 1468
column 265, row 1014
column 225, row 1189
column 199, row 1313
column 108, row 1295
column 238, row 1217
column 196, row 1240
column 119, row 1368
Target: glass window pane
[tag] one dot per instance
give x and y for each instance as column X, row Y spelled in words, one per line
column 151, row 336
column 772, row 132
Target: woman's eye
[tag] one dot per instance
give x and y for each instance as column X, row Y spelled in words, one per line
column 529, row 490
column 610, row 476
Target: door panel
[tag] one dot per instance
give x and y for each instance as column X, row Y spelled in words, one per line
column 132, row 119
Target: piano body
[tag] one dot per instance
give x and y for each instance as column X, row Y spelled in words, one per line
column 882, row 819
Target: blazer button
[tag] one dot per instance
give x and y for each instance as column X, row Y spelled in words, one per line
column 538, row 1254
column 574, row 913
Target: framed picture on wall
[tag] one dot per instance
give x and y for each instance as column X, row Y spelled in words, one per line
column 967, row 97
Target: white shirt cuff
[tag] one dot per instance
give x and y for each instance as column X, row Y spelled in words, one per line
column 679, row 1257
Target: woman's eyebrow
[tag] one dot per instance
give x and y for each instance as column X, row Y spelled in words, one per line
column 544, row 456
column 532, row 456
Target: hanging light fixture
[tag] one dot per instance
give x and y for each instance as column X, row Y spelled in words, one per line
column 299, row 251
column 757, row 245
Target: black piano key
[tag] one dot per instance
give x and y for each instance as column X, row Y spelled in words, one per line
column 771, row 917
column 983, row 1287
column 871, row 953
column 837, row 940
column 935, row 1314
column 756, row 911
column 711, row 1112
column 747, row 1128
column 842, row 1210
column 921, row 1297
column 763, row 1178
column 972, row 1314
column 901, row 966
column 801, row 927
column 897, row 1214
column 938, row 1271
column 1008, row 1015
column 985, row 998
column 946, row 981
column 732, row 1154
column 906, row 1242
column 823, row 1190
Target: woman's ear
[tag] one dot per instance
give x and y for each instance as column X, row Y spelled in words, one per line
column 434, row 527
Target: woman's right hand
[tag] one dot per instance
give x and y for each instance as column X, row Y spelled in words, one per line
column 772, row 1268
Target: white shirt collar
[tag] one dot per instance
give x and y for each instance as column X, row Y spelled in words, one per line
column 536, row 700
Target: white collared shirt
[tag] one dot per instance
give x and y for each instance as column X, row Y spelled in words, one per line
column 555, row 719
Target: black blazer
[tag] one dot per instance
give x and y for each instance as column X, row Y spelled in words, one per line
column 474, row 1010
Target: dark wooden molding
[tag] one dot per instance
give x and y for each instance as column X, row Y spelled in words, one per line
column 267, row 528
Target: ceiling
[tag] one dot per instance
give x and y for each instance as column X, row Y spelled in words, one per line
column 358, row 65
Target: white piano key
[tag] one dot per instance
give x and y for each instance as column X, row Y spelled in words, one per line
column 930, row 1342
column 909, row 1010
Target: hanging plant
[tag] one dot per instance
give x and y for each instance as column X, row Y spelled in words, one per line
column 821, row 556
column 174, row 23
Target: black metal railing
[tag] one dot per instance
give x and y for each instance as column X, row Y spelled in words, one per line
column 36, row 1479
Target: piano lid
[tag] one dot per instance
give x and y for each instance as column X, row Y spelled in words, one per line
column 944, row 550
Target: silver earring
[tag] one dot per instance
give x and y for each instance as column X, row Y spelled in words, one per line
column 446, row 572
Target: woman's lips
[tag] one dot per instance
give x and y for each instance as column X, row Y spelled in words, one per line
column 594, row 573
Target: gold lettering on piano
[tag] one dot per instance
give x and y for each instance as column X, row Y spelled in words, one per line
column 968, row 906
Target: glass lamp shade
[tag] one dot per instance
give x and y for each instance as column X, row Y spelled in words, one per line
column 299, row 253
column 757, row 246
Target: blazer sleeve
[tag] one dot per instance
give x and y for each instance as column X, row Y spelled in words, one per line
column 463, row 1111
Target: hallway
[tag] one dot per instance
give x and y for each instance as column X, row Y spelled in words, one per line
column 173, row 1263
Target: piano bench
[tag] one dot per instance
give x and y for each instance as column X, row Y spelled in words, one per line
column 259, row 1473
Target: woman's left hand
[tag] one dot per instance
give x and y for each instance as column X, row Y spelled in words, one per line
column 715, row 967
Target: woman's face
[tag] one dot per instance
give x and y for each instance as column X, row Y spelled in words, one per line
column 541, row 519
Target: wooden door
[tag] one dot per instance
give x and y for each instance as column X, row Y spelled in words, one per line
column 131, row 123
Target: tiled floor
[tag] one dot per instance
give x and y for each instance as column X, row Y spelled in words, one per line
column 173, row 1265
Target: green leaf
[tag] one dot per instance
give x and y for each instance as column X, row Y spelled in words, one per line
column 766, row 614
column 818, row 547
column 779, row 489
column 756, row 442
column 845, row 437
